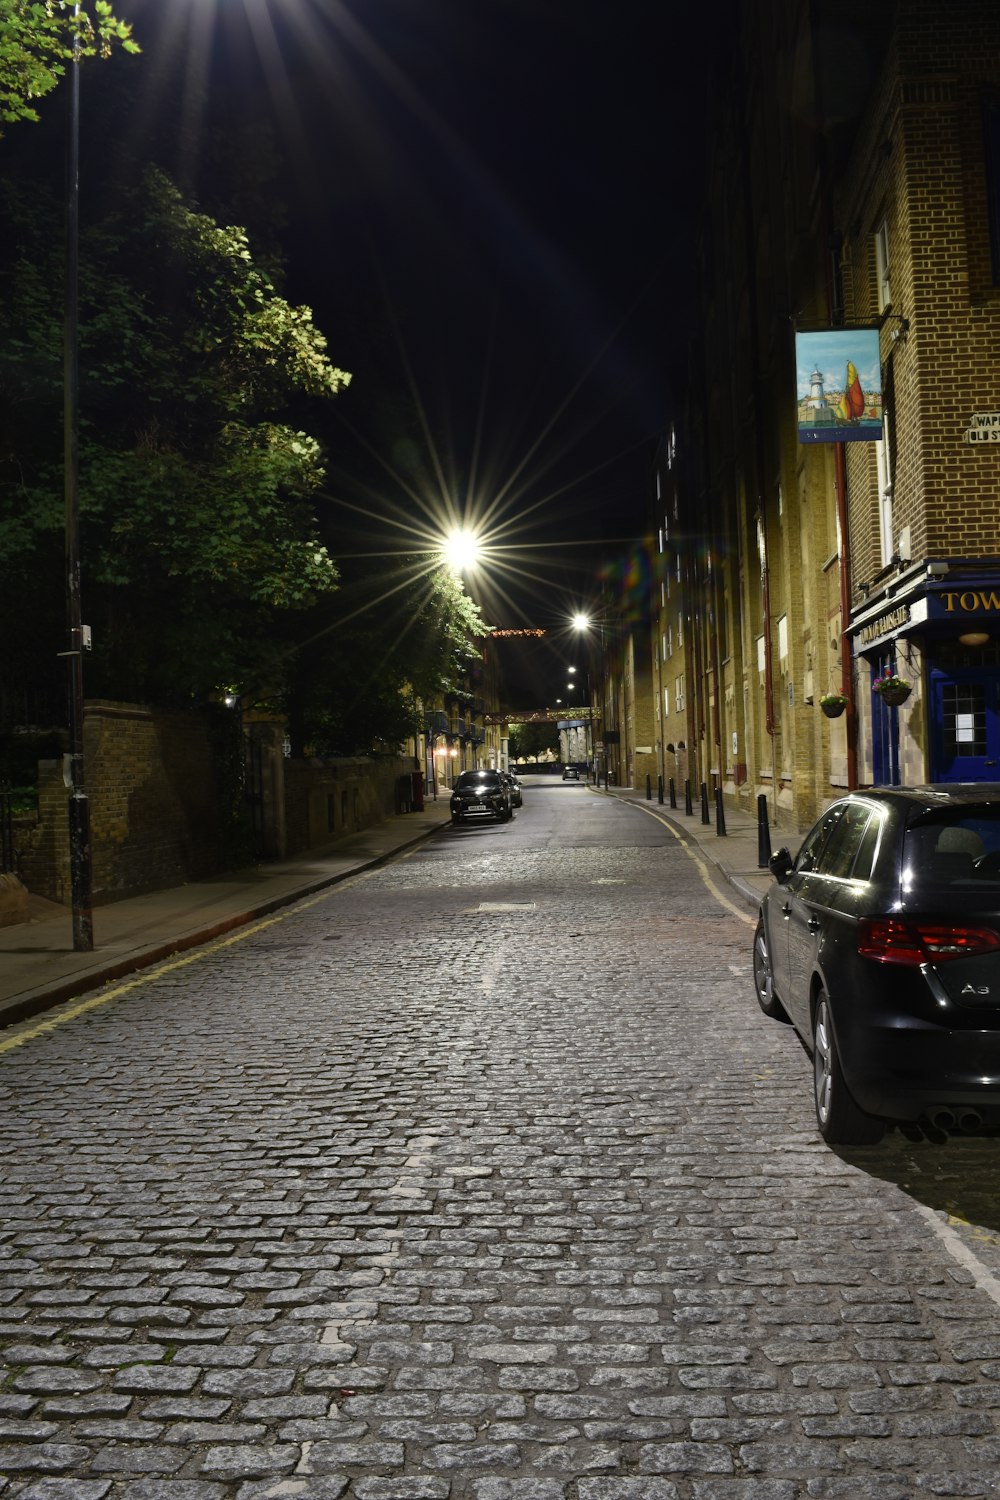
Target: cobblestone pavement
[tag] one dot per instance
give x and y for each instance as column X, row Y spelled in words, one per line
column 479, row 1177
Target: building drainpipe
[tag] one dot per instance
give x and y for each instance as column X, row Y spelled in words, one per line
column 846, row 673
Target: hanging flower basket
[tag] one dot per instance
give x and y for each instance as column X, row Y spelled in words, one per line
column 892, row 690
column 833, row 704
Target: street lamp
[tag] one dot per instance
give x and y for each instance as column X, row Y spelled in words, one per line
column 460, row 549
column 582, row 623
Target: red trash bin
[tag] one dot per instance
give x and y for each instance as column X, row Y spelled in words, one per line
column 417, row 802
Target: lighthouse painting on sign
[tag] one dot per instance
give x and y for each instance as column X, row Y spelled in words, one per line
column 839, row 377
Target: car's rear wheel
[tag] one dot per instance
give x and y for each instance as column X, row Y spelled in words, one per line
column 841, row 1122
column 763, row 976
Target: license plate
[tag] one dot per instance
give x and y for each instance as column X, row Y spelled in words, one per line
column 477, row 806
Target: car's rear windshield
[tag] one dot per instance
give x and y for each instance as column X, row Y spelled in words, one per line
column 477, row 778
column 956, row 847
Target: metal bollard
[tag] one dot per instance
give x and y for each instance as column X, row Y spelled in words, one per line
column 720, row 814
column 649, row 788
column 704, row 804
column 687, row 800
column 673, row 793
column 659, row 790
column 763, row 834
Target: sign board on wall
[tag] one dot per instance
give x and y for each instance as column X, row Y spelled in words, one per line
column 984, row 427
column 839, row 385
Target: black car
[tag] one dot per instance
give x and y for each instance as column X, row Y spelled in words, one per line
column 514, row 787
column 880, row 943
column 480, row 794
column 570, row 773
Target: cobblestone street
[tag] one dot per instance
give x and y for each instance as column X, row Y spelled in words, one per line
column 479, row 1177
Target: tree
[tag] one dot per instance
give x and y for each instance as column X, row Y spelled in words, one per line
column 197, row 494
column 385, row 645
column 39, row 37
column 529, row 741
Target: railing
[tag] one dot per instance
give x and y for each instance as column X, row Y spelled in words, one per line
column 14, row 802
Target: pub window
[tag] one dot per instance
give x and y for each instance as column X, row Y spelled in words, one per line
column 963, row 719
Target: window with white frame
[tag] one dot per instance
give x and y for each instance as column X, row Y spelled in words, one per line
column 680, row 628
column 666, row 700
column 679, row 694
column 883, row 287
column 782, row 637
column 663, row 646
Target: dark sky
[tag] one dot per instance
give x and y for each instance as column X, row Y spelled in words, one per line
column 488, row 205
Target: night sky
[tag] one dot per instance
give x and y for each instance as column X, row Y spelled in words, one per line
column 490, row 207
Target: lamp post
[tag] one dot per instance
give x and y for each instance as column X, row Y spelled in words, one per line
column 80, row 866
column 582, row 623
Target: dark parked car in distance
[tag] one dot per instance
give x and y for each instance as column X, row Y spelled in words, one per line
column 880, row 943
column 514, row 787
column 570, row 773
column 481, row 794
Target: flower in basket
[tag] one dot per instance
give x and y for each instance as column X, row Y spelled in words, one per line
column 888, row 683
column 833, row 700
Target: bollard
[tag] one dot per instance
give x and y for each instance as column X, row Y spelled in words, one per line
column 720, row 814
column 673, row 793
column 763, row 834
column 649, row 788
column 659, row 790
column 704, row 804
column 687, row 800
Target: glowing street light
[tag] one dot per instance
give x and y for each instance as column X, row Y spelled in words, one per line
column 461, row 550
column 581, row 622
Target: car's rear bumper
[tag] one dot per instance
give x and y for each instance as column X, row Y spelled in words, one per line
column 907, row 1072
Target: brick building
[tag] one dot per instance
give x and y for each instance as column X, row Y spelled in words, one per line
column 853, row 178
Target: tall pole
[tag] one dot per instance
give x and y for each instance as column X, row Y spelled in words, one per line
column 79, row 812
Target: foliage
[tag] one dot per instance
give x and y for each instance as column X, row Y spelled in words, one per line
column 37, row 40
column 197, row 498
column 833, row 700
column 529, row 741
column 386, row 645
column 889, row 682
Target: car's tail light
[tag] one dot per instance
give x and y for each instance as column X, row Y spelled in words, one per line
column 892, row 941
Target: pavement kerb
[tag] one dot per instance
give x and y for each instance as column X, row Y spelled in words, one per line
column 92, row 975
column 687, row 835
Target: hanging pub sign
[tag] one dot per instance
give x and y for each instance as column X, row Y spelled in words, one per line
column 839, row 378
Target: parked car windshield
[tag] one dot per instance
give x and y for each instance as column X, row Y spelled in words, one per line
column 957, row 847
column 479, row 778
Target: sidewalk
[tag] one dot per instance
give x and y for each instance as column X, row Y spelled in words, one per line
column 39, row 967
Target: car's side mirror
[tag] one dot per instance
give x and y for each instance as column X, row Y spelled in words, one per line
column 781, row 865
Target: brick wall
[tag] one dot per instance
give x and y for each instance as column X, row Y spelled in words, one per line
column 156, row 818
column 330, row 799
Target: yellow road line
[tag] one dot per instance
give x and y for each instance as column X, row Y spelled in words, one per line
column 71, row 1011
column 703, row 869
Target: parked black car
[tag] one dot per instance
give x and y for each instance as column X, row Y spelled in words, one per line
column 480, row 794
column 514, row 787
column 880, row 943
column 570, row 773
